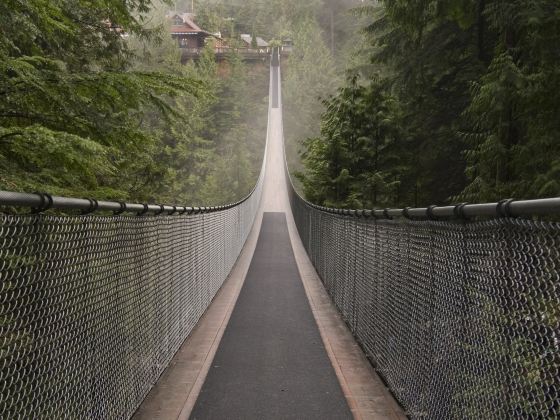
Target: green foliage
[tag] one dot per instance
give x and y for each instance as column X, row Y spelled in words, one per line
column 358, row 160
column 470, row 88
column 208, row 19
column 514, row 115
column 311, row 72
column 95, row 102
column 212, row 156
column 310, row 75
column 72, row 106
column 239, row 131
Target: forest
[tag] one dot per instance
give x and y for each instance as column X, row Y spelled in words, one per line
column 91, row 108
column 455, row 101
column 386, row 103
column 96, row 103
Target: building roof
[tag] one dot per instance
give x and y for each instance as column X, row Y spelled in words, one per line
column 261, row 43
column 188, row 19
column 187, row 27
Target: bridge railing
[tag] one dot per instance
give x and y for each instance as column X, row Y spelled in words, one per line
column 458, row 307
column 93, row 307
column 221, row 52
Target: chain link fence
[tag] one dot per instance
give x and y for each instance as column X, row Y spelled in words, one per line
column 460, row 318
column 93, row 308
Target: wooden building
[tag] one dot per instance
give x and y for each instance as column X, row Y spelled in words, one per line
column 187, row 33
column 192, row 40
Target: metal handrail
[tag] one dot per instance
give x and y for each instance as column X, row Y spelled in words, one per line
column 44, row 201
column 40, row 202
column 503, row 208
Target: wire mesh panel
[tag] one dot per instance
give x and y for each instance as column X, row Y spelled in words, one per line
column 93, row 308
column 461, row 318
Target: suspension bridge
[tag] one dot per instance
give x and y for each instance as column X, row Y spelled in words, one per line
column 275, row 308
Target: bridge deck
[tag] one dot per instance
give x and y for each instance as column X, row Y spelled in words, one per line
column 176, row 394
column 270, row 362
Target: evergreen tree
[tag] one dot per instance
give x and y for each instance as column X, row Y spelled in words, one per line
column 357, row 161
column 72, row 107
column 475, row 83
column 514, row 115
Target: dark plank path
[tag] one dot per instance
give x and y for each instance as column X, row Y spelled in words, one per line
column 271, row 363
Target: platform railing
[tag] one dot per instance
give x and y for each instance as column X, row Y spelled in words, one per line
column 247, row 53
column 457, row 307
